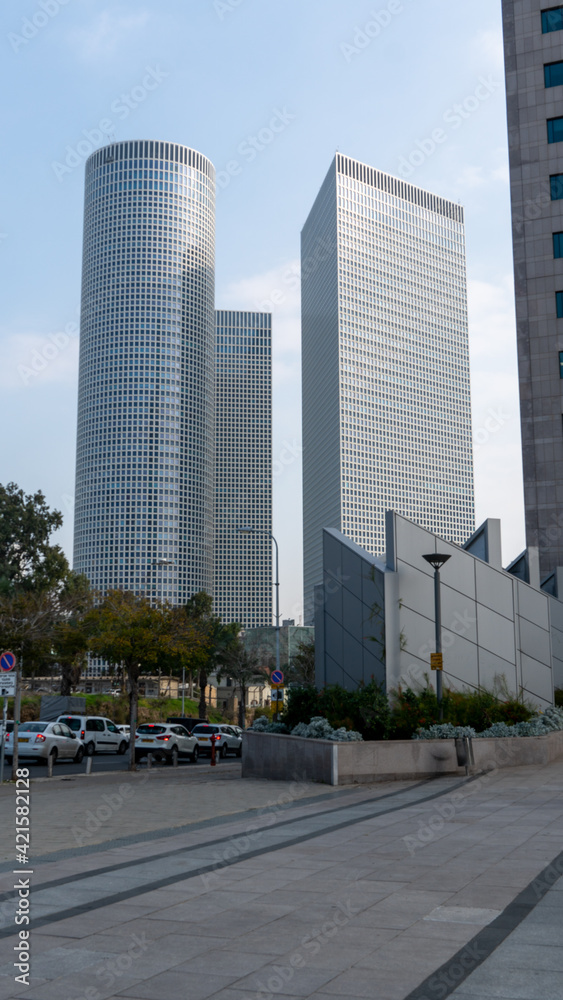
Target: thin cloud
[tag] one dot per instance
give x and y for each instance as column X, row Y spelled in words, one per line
column 105, row 33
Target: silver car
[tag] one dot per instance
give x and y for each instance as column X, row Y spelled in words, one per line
column 225, row 739
column 40, row 740
column 161, row 739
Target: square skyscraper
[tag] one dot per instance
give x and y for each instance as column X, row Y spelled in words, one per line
column 385, row 356
column 533, row 37
column 243, row 431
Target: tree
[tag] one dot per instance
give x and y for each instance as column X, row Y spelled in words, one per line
column 70, row 639
column 243, row 667
column 28, row 562
column 130, row 631
column 302, row 668
column 33, row 575
column 218, row 639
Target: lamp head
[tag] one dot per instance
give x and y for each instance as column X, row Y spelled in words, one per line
column 436, row 559
column 245, row 530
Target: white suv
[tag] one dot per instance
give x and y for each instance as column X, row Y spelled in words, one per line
column 98, row 734
column 226, row 740
column 161, row 739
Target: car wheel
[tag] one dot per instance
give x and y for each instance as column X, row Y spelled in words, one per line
column 122, row 747
column 223, row 751
column 90, row 748
column 195, row 755
column 79, row 756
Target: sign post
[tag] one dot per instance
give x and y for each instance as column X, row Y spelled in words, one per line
column 276, row 683
column 8, row 690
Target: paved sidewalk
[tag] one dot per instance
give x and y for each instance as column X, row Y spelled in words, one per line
column 416, row 890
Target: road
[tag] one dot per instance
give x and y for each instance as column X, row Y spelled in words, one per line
column 109, row 762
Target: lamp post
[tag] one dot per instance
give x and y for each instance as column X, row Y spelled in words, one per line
column 437, row 560
column 251, row 531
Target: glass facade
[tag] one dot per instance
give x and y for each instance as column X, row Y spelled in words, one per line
column 386, row 394
column 552, row 19
column 555, row 129
column 553, row 74
column 556, row 186
column 145, row 467
column 243, row 562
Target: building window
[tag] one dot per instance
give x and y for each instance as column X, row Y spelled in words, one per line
column 559, row 304
column 558, row 244
column 553, row 73
column 556, row 184
column 555, row 129
column 560, row 364
column 552, row 20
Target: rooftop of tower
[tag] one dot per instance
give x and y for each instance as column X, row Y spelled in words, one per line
column 398, row 187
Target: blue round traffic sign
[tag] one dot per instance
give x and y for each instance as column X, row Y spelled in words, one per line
column 276, row 677
column 7, row 661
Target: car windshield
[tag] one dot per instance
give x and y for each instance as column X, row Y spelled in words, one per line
column 148, row 730
column 33, row 727
column 73, row 724
column 204, row 729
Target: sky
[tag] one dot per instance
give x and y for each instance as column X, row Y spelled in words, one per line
column 377, row 81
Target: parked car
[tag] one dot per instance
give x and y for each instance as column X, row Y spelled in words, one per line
column 188, row 722
column 9, row 727
column 126, row 730
column 226, row 740
column 41, row 739
column 161, row 739
column 98, row 734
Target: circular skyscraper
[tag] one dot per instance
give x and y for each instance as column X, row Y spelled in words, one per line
column 145, row 465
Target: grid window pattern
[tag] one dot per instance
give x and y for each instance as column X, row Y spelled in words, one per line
column 386, row 394
column 558, row 245
column 553, row 74
column 555, row 129
column 559, row 304
column 556, row 186
column 145, row 465
column 243, row 562
column 552, row 19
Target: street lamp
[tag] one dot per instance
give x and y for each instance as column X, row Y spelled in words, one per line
column 437, row 560
column 251, row 531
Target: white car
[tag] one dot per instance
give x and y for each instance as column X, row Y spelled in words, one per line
column 41, row 739
column 126, row 730
column 161, row 739
column 225, row 739
column 98, row 734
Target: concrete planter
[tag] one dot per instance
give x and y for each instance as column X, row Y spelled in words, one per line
column 278, row 757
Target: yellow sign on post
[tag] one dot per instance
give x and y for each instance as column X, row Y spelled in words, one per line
column 436, row 661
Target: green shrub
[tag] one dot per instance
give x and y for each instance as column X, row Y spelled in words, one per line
column 479, row 709
column 365, row 710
